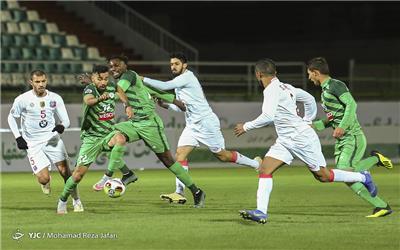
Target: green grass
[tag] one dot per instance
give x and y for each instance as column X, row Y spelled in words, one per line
column 304, row 214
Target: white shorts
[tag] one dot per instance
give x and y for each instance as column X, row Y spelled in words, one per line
column 44, row 154
column 306, row 146
column 206, row 131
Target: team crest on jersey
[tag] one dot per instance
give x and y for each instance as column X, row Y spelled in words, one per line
column 43, row 123
column 53, row 104
column 88, row 91
column 42, row 104
column 111, row 95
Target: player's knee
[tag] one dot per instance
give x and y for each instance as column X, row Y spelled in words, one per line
column 120, row 139
column 43, row 179
column 77, row 176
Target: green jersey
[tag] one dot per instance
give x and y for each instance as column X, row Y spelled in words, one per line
column 98, row 120
column 339, row 106
column 141, row 97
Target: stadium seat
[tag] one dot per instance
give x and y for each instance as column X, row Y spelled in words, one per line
column 18, row 14
column 51, row 67
column 39, row 66
column 6, row 40
column 12, row 4
column 93, row 54
column 76, row 68
column 15, row 53
column 87, row 67
column 5, row 53
column 52, row 28
column 46, row 40
column 32, row 15
column 79, row 52
column 72, row 40
column 28, row 53
column 6, row 78
column 70, row 79
column 39, row 27
column 25, row 28
column 5, row 16
column 9, row 67
column 57, row 79
column 66, row 54
column 18, row 79
column 41, row 53
column 3, row 5
column 12, row 27
column 33, row 40
column 59, row 39
column 20, row 40
column 54, row 53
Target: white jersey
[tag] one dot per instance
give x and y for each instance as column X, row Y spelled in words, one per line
column 280, row 107
column 188, row 90
column 37, row 116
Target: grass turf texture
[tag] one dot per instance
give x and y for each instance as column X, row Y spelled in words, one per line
column 304, row 214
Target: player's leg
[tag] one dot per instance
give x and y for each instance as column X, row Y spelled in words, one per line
column 40, row 166
column 178, row 196
column 236, row 157
column 276, row 157
column 353, row 153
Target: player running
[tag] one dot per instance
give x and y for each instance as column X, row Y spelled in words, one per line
column 295, row 137
column 147, row 125
column 40, row 133
column 202, row 124
column 340, row 108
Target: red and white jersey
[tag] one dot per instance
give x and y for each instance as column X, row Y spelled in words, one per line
column 279, row 107
column 37, row 116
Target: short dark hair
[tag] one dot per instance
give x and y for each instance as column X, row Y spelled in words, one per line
column 266, row 66
column 121, row 57
column 180, row 55
column 37, row 72
column 320, row 64
column 99, row 69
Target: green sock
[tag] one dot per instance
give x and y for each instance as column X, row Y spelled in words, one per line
column 181, row 174
column 365, row 164
column 360, row 190
column 70, row 185
column 116, row 158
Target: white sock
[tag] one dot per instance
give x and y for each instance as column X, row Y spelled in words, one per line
column 265, row 184
column 338, row 175
column 180, row 187
column 244, row 160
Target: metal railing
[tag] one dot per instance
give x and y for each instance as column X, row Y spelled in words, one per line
column 146, row 27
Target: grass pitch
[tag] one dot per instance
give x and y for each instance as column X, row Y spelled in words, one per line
column 304, row 214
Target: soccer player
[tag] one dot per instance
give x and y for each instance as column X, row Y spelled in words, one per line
column 97, row 131
column 295, row 137
column 147, row 125
column 340, row 108
column 40, row 133
column 202, row 124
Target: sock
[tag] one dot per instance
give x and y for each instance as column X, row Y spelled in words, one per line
column 181, row 174
column 70, row 184
column 265, row 184
column 361, row 191
column 124, row 169
column 365, row 164
column 75, row 193
column 116, row 158
column 109, row 173
column 193, row 189
column 180, row 187
column 338, row 175
column 244, row 160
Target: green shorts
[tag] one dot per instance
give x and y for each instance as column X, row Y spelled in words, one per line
column 349, row 150
column 91, row 147
column 151, row 131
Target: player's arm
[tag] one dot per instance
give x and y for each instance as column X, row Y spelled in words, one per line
column 15, row 113
column 269, row 107
column 168, row 98
column 177, row 82
column 171, row 106
column 124, row 99
column 63, row 115
column 310, row 106
column 341, row 91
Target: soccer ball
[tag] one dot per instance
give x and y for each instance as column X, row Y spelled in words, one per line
column 114, row 188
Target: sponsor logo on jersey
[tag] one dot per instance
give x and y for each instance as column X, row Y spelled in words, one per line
column 53, row 104
column 330, row 116
column 42, row 104
column 106, row 116
column 43, row 123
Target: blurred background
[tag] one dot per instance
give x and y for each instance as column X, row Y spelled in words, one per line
column 360, row 40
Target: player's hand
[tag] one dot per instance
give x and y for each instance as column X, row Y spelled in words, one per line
column 21, row 143
column 239, row 130
column 338, row 133
column 59, row 128
column 84, row 78
column 141, row 78
column 161, row 103
column 104, row 96
column 181, row 105
column 129, row 111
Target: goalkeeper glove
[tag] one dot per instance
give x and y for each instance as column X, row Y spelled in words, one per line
column 21, row 143
column 59, row 128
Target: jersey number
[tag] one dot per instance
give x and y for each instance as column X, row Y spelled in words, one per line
column 42, row 114
column 285, row 88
